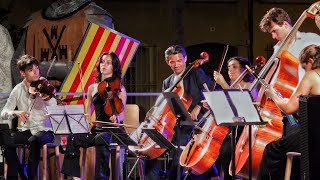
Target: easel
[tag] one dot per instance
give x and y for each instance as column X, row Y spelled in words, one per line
column 234, row 108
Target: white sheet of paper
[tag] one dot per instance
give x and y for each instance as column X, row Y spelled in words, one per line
column 220, row 106
column 243, row 103
column 223, row 113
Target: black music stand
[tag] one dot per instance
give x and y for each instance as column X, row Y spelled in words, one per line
column 234, row 108
column 182, row 115
column 68, row 119
column 120, row 138
column 158, row 138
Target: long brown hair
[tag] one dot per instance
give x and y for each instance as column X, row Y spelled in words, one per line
column 115, row 63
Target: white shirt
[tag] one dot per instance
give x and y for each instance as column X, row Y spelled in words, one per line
column 301, row 41
column 21, row 98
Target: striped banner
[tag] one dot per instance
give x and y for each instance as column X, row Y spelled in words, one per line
column 97, row 40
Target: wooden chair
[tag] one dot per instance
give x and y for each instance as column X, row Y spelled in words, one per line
column 44, row 152
column 290, row 156
column 132, row 118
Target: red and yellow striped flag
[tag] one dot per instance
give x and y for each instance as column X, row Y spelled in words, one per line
column 96, row 41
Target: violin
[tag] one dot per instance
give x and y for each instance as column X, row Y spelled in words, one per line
column 109, row 89
column 42, row 88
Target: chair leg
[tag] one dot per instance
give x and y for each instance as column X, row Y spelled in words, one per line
column 141, row 169
column 83, row 159
column 290, row 156
column 57, row 154
column 45, row 162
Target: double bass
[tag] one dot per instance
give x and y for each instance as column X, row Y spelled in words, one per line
column 161, row 118
column 282, row 69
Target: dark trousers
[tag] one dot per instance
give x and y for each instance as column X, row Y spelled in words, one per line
column 34, row 142
column 71, row 165
column 273, row 163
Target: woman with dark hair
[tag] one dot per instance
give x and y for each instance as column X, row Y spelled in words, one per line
column 236, row 65
column 108, row 69
column 273, row 163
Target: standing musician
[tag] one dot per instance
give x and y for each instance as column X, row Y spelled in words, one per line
column 236, row 65
column 274, row 157
column 192, row 84
column 108, row 70
column 277, row 22
column 31, row 110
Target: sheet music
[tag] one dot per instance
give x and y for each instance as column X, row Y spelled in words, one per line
column 242, row 101
column 75, row 115
column 220, row 106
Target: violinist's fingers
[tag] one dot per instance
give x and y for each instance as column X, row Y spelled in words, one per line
column 113, row 118
column 23, row 116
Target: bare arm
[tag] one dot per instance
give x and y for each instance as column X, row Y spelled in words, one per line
column 220, row 80
column 89, row 103
column 292, row 105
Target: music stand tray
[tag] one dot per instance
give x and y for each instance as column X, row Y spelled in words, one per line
column 177, row 107
column 120, row 136
column 68, row 119
column 158, row 138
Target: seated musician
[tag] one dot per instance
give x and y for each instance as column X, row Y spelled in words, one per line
column 274, row 156
column 31, row 110
column 108, row 69
column 192, row 84
column 236, row 65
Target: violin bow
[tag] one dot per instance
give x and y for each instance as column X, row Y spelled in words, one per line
column 82, row 88
column 223, row 57
column 51, row 64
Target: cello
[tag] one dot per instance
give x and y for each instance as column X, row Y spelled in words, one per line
column 282, row 69
column 203, row 148
column 161, row 118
